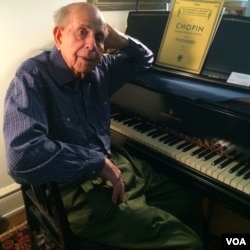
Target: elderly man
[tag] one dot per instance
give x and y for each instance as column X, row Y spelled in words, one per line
column 56, row 128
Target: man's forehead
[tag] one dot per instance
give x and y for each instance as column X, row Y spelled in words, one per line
column 84, row 19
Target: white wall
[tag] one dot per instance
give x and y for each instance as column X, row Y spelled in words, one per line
column 25, row 27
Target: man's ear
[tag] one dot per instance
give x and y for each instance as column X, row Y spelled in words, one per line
column 57, row 32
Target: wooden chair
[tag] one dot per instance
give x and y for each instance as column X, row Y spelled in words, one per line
column 46, row 217
column 48, row 222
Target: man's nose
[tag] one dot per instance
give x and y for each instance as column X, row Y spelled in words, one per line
column 90, row 42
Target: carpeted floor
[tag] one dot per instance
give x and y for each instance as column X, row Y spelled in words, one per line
column 17, row 238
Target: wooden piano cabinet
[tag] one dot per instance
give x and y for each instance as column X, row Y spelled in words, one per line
column 223, row 220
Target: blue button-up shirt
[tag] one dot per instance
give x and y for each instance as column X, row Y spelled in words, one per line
column 57, row 128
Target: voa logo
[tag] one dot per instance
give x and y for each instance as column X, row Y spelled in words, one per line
column 236, row 241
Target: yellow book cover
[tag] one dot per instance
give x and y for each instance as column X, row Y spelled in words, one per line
column 188, row 34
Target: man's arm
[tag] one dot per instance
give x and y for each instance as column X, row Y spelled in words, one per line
column 115, row 39
column 132, row 58
column 32, row 155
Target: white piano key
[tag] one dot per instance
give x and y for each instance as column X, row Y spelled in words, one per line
column 195, row 162
column 206, row 165
column 231, row 179
column 185, row 157
column 241, row 184
column 215, row 167
column 174, row 151
column 235, row 181
column 182, row 155
column 192, row 161
column 220, row 173
column 164, row 148
column 246, row 188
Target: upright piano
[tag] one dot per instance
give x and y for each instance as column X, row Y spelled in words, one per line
column 196, row 127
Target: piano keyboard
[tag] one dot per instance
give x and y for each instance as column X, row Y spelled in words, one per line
column 234, row 172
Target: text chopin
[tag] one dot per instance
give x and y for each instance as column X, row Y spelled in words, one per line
column 189, row 27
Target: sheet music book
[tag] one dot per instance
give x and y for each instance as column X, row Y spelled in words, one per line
column 188, row 34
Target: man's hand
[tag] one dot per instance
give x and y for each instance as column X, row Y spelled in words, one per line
column 115, row 39
column 111, row 173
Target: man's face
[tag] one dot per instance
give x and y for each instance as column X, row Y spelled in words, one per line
column 81, row 41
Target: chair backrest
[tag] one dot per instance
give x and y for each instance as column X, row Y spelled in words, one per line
column 46, row 217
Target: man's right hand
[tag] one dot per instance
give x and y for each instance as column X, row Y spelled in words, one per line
column 111, row 173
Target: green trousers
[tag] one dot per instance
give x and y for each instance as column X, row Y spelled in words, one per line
column 156, row 213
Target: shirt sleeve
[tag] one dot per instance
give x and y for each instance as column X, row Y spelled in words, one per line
column 140, row 52
column 31, row 156
column 129, row 63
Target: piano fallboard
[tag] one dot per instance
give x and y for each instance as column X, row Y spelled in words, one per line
column 202, row 143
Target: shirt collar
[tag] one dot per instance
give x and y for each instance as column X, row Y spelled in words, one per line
column 62, row 74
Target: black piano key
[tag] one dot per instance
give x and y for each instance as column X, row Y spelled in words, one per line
column 183, row 145
column 246, row 176
column 209, row 156
column 197, row 151
column 171, row 138
column 225, row 163
column 144, row 127
column 203, row 153
column 223, row 158
column 140, row 126
column 115, row 115
column 236, row 167
column 135, row 125
column 175, row 141
column 219, row 160
column 243, row 170
column 122, row 117
column 236, row 155
column 161, row 139
column 131, row 122
column 152, row 133
column 189, row 147
column 156, row 133
column 148, row 128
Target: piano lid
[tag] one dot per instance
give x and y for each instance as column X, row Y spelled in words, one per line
column 190, row 88
column 148, row 27
column 229, row 52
